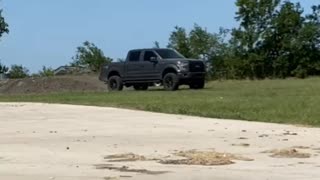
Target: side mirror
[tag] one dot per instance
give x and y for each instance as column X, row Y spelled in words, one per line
column 154, row 59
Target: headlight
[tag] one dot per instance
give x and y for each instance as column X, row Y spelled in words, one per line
column 183, row 65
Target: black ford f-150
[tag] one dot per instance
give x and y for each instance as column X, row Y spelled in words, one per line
column 146, row 67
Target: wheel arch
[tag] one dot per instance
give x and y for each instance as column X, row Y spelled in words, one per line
column 113, row 73
column 169, row 69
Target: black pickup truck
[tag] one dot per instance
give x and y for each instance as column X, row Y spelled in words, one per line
column 147, row 67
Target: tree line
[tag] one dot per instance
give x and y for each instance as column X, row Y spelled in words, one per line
column 274, row 39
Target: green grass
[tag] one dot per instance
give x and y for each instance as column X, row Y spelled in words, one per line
column 279, row 101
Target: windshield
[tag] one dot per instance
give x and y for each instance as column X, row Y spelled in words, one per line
column 169, row 54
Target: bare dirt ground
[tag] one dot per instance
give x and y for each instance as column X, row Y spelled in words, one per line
column 64, row 142
column 79, row 83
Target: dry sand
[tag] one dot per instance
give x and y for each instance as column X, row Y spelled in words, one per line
column 64, row 142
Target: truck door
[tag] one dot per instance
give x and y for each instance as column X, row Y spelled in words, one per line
column 150, row 70
column 133, row 66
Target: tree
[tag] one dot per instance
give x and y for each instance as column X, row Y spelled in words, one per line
column 255, row 18
column 3, row 29
column 18, row 71
column 274, row 39
column 179, row 41
column 307, row 47
column 3, row 69
column 46, row 72
column 198, row 43
column 210, row 47
column 3, row 25
column 156, row 44
column 283, row 38
column 203, row 44
column 91, row 56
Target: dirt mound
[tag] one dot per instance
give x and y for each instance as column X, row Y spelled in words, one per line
column 205, row 158
column 81, row 83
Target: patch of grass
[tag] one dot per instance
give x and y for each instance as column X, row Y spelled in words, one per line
column 289, row 101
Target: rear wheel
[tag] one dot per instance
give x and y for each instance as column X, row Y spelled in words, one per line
column 140, row 87
column 115, row 83
column 171, row 82
column 199, row 84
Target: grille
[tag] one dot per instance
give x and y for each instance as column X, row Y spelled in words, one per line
column 196, row 66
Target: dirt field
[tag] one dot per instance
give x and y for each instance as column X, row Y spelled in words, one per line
column 78, row 83
column 64, row 142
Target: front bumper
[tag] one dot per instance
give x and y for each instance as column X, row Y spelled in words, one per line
column 191, row 75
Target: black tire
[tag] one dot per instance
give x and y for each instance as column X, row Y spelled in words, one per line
column 140, row 87
column 199, row 84
column 171, row 82
column 115, row 83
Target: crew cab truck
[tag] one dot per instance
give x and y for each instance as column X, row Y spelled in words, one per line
column 147, row 67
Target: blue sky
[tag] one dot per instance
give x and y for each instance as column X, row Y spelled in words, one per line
column 47, row 32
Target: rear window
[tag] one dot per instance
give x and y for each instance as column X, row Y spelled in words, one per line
column 134, row 56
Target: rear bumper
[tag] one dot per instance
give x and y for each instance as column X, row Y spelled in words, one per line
column 103, row 76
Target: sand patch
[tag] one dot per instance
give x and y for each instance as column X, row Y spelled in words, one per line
column 288, row 133
column 241, row 145
column 242, row 138
column 129, row 170
column 110, row 178
column 287, row 153
column 301, row 147
column 125, row 158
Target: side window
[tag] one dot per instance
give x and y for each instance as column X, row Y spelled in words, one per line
column 148, row 55
column 134, row 56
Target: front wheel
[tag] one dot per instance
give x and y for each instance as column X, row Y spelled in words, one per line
column 171, row 82
column 199, row 84
column 115, row 83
